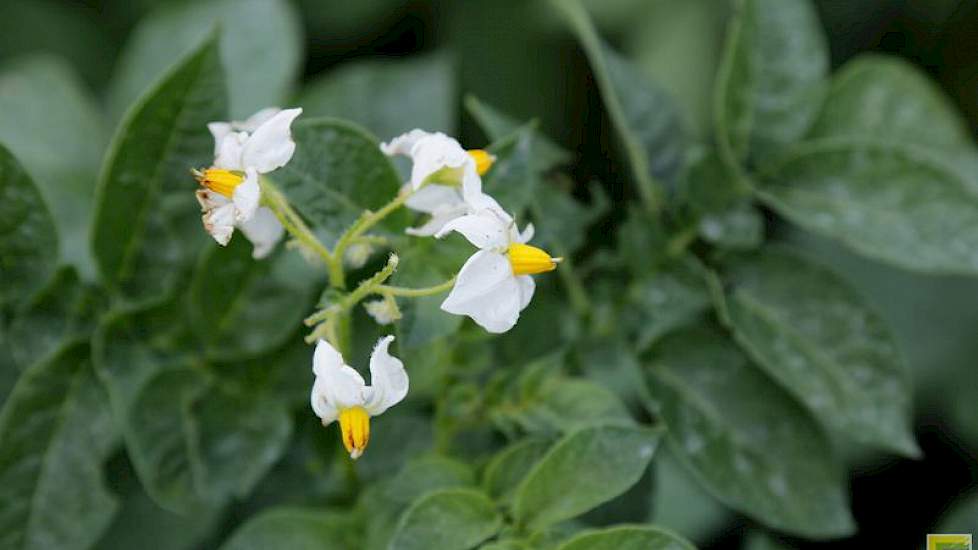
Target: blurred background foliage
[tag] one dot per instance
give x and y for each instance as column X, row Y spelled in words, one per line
column 517, row 56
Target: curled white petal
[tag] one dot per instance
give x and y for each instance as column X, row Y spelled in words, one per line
column 433, row 198
column 325, row 410
column 229, row 151
column 388, row 379
column 219, row 222
column 271, row 145
column 402, row 144
column 255, row 121
column 219, row 130
column 487, row 291
column 484, row 229
column 342, row 386
column 264, row 231
column 527, row 287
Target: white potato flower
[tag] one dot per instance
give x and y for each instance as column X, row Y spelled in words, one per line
column 494, row 285
column 445, row 178
column 231, row 192
column 340, row 393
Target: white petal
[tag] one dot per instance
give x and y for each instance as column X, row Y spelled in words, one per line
column 483, row 229
column 436, row 152
column 433, row 197
column 320, row 405
column 219, row 222
column 264, row 231
column 435, row 224
column 342, row 386
column 527, row 286
column 271, row 145
column 486, row 291
column 219, row 130
column 246, row 196
column 402, row 144
column 526, row 235
column 256, row 120
column 388, row 379
column 210, row 200
column 228, row 154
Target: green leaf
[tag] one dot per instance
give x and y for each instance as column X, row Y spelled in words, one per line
column 614, row 458
column 498, row 126
column 882, row 97
column 260, row 50
column 509, row 467
column 564, row 404
column 660, row 302
column 745, row 438
column 645, row 117
column 770, row 82
column 814, row 335
column 387, row 96
column 627, row 538
column 451, row 519
column 55, row 431
column 195, row 439
column 725, row 215
column 137, row 244
column 337, row 172
column 757, row 540
column 681, row 504
column 242, row 307
column 295, row 529
column 28, row 239
column 426, row 474
column 892, row 202
column 962, row 516
column 65, row 309
column 54, row 128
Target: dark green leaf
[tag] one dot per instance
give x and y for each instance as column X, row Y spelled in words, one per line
column 65, row 309
column 722, row 206
column 614, row 458
column 813, row 334
column 681, row 504
column 644, row 116
column 260, row 51
column 138, row 246
column 28, row 239
column 746, row 440
column 55, row 130
column 451, row 519
column 892, row 202
column 194, row 439
column 55, row 431
column 294, row 529
column 498, row 126
column 757, row 540
column 770, row 83
column 665, row 300
column 338, row 171
column 627, row 538
column 242, row 307
column 962, row 516
column 426, row 474
column 508, row 467
column 387, row 96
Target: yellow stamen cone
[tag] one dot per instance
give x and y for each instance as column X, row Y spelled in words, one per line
column 483, row 160
column 529, row 260
column 220, row 181
column 355, row 428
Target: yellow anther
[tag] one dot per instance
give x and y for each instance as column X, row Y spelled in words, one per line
column 355, row 427
column 529, row 260
column 220, row 181
column 483, row 160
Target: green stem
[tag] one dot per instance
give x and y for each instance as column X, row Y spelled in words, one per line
column 331, row 315
column 679, row 242
column 414, row 292
column 365, row 222
column 273, row 198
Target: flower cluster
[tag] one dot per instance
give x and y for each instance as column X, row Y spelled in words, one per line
column 492, row 287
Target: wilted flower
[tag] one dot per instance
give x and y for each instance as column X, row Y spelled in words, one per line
column 445, row 178
column 231, row 191
column 494, row 285
column 384, row 311
column 340, row 393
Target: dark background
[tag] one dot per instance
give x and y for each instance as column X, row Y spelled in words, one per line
column 515, row 55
